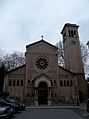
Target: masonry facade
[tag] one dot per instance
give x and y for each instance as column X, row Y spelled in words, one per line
column 42, row 81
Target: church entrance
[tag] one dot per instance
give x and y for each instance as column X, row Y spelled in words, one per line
column 42, row 93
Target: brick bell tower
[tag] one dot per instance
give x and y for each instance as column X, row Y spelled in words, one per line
column 73, row 59
column 72, row 52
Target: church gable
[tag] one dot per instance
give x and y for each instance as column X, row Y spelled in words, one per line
column 17, row 71
column 41, row 47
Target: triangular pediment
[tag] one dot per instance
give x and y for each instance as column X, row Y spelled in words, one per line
column 41, row 47
column 41, row 42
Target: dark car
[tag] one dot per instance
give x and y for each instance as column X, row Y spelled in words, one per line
column 88, row 105
column 20, row 104
column 5, row 112
column 15, row 107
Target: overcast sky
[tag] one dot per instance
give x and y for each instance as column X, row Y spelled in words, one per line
column 24, row 21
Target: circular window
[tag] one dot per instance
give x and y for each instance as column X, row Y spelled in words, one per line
column 73, row 42
column 42, row 63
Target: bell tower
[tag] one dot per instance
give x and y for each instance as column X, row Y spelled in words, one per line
column 72, row 51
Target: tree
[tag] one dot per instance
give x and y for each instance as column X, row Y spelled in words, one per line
column 13, row 60
column 2, row 75
column 60, row 53
column 4, row 94
column 84, row 54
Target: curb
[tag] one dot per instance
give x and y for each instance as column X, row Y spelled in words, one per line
column 53, row 107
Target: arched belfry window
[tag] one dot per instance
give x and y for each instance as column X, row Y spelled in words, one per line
column 72, row 33
column 75, row 33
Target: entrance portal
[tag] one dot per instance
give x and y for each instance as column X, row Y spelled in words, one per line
column 42, row 93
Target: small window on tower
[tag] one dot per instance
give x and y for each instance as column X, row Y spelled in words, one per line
column 73, row 42
column 74, row 33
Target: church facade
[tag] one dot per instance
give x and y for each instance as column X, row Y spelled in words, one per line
column 42, row 81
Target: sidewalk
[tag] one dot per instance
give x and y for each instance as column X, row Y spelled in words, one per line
column 81, row 106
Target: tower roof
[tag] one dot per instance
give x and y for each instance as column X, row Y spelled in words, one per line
column 68, row 25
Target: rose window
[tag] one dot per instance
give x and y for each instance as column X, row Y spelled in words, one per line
column 42, row 63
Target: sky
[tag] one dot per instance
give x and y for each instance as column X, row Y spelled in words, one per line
column 24, row 21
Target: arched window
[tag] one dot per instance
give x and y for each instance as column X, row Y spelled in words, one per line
column 10, row 82
column 13, row 82
column 51, row 83
column 67, row 82
column 72, row 34
column 64, row 83
column 55, row 82
column 28, row 81
column 61, row 83
column 17, row 82
column 71, row 83
column 21, row 82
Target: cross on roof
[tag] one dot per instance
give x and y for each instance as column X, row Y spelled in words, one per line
column 42, row 37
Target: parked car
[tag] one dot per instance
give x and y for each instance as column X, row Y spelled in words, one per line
column 15, row 107
column 5, row 112
column 20, row 104
column 88, row 105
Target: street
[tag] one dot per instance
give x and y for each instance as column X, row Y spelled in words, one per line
column 52, row 114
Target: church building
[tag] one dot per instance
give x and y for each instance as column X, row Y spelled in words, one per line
column 42, row 81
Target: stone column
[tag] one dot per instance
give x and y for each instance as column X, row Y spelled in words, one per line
column 49, row 96
column 36, row 96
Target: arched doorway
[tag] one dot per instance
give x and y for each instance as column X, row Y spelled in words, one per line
column 42, row 93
